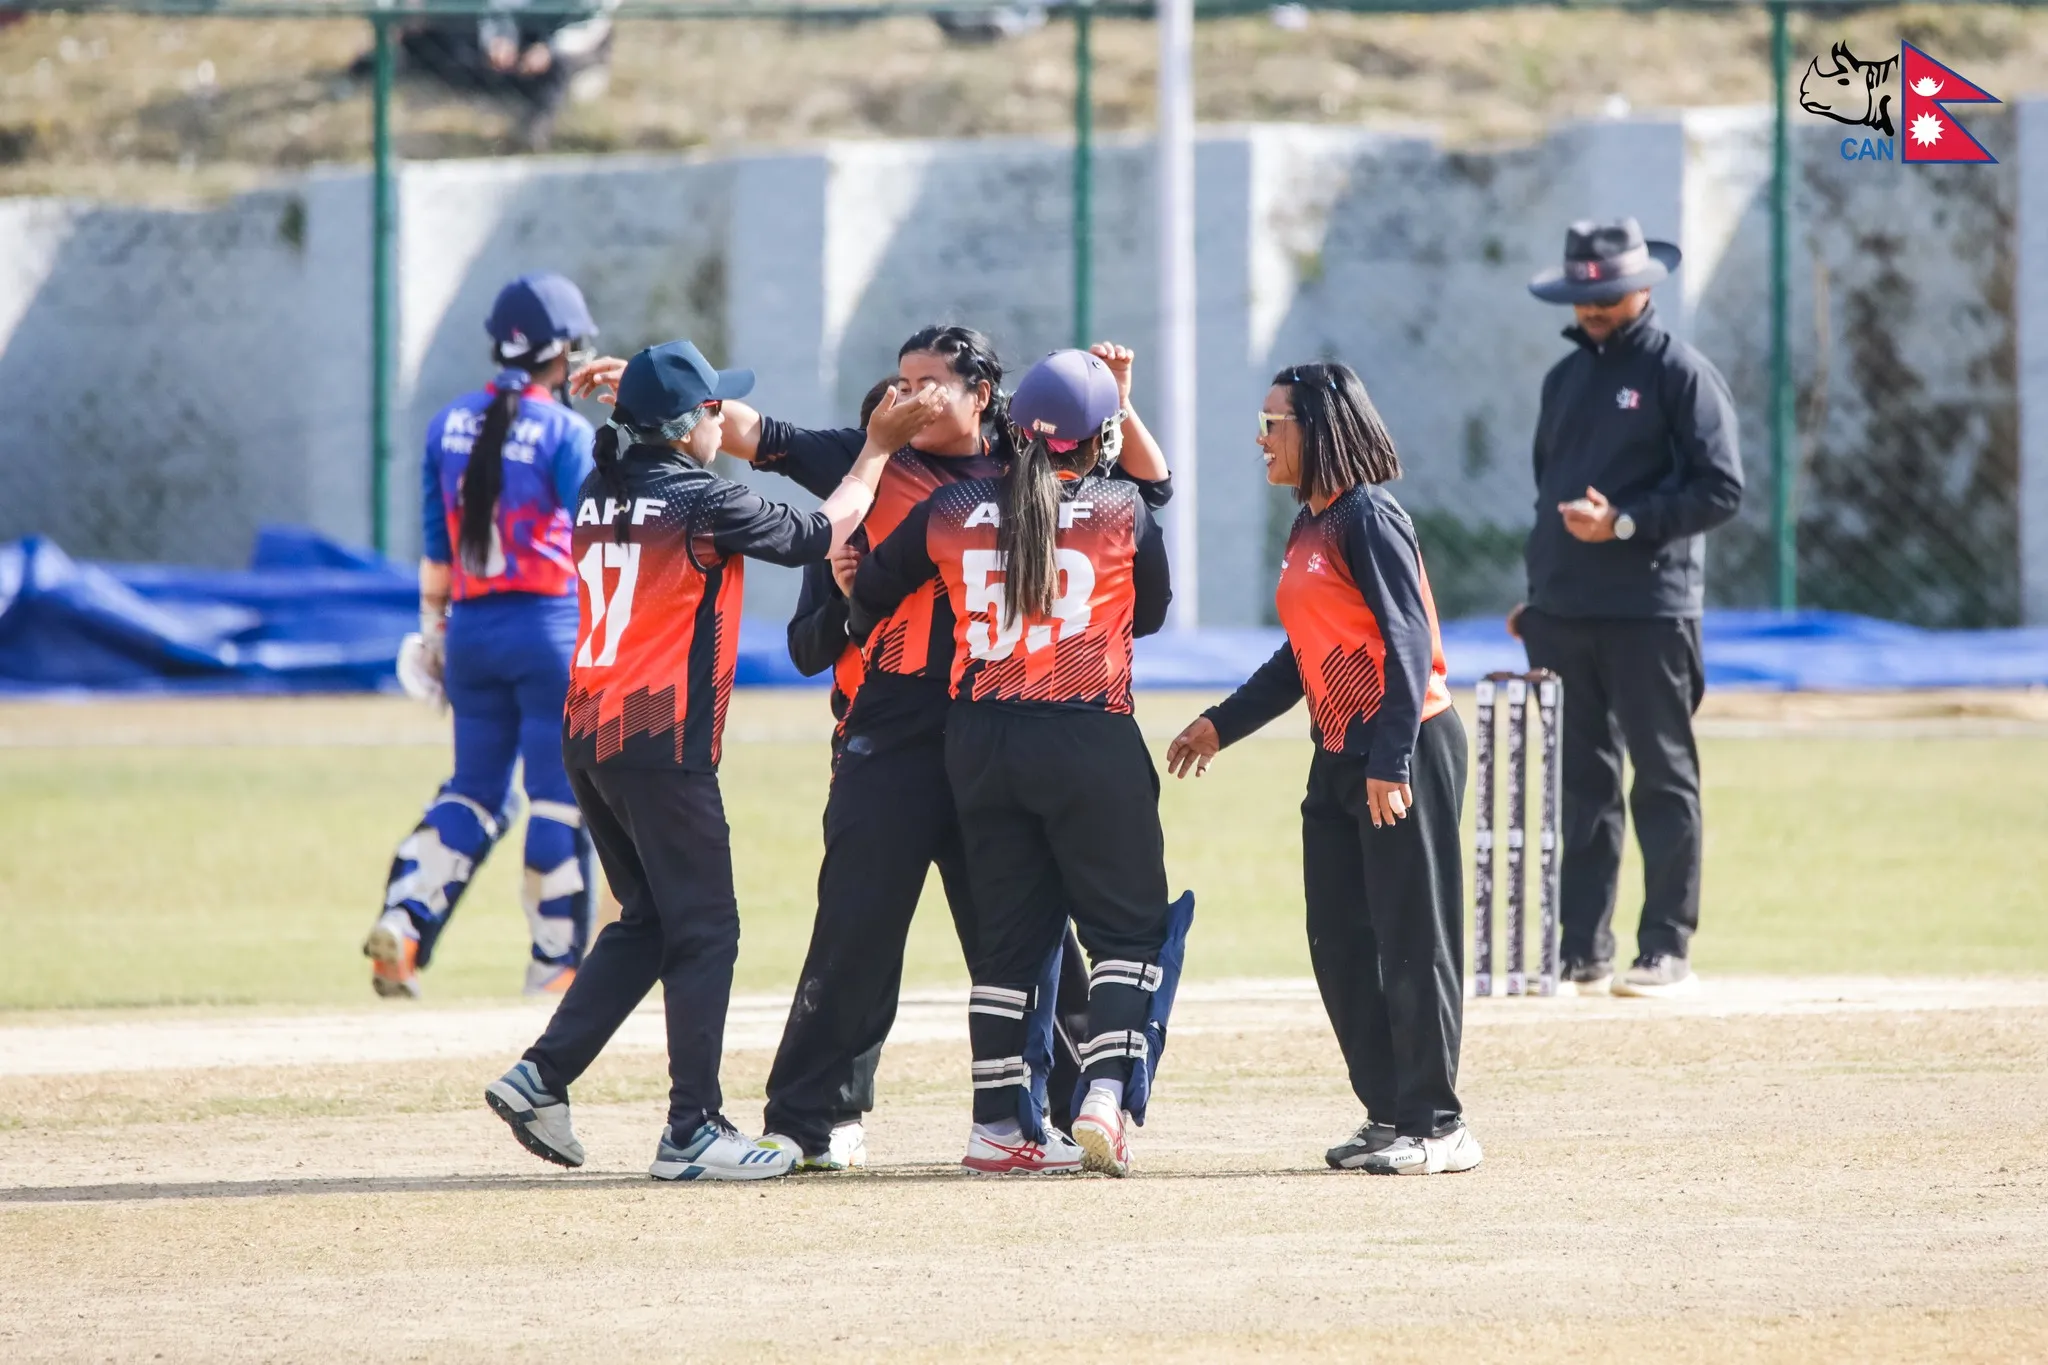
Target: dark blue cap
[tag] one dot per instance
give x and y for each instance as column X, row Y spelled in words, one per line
column 536, row 311
column 1066, row 397
column 664, row 382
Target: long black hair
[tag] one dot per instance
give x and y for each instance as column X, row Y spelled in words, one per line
column 606, row 453
column 1343, row 441
column 973, row 357
column 1028, row 523
column 484, row 476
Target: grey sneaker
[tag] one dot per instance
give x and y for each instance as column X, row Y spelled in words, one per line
column 1351, row 1153
column 538, row 1119
column 1585, row 978
column 1658, row 976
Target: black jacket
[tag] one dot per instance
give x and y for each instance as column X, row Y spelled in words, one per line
column 1648, row 421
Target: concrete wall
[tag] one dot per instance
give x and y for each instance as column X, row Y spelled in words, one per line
column 172, row 379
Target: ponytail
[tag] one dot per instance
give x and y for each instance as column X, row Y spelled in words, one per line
column 1027, row 526
column 484, row 477
column 605, row 454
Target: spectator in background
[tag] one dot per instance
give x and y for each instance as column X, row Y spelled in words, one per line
column 535, row 59
column 1636, row 460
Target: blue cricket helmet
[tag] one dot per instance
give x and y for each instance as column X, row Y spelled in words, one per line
column 1066, row 397
column 536, row 317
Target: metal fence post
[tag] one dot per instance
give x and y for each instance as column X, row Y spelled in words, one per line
column 383, row 243
column 1084, row 173
column 1784, row 531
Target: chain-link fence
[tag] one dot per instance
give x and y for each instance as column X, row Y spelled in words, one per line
column 187, row 340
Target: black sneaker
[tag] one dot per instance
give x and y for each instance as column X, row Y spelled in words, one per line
column 1658, row 976
column 1351, row 1153
column 1581, row 977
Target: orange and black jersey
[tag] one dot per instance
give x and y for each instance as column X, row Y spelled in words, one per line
column 820, row 640
column 893, row 676
column 1362, row 638
column 1113, row 587
column 659, row 634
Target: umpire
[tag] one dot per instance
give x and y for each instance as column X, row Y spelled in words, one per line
column 1635, row 461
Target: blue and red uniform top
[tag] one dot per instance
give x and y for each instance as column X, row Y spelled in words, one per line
column 546, row 458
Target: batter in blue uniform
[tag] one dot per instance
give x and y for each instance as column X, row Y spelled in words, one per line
column 497, row 627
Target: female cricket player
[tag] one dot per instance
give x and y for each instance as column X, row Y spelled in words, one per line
column 1379, row 827
column 890, row 815
column 659, row 549
column 1052, row 568
column 501, row 472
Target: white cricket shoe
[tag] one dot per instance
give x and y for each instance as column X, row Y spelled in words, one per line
column 1015, row 1154
column 717, row 1151
column 1455, row 1151
column 1658, row 976
column 1102, row 1128
column 847, row 1150
column 538, row 1119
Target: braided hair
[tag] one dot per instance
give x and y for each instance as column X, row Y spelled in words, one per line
column 973, row 357
column 483, row 478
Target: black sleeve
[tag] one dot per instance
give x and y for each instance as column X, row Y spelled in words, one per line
column 1537, row 452
column 742, row 522
column 816, row 460
column 1266, row 695
column 1702, row 422
column 1387, row 566
column 1151, row 576
column 817, row 633
column 1156, row 492
column 893, row 570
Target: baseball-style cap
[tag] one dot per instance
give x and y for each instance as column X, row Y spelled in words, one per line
column 664, row 382
column 536, row 312
column 1066, row 398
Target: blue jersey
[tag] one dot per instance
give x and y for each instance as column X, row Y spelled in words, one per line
column 546, row 458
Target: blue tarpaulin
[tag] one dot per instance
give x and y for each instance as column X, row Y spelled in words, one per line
column 309, row 615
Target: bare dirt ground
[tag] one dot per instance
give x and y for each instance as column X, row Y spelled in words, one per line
column 1789, row 1170
column 796, row 714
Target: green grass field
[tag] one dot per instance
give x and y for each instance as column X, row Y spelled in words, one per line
column 247, row 875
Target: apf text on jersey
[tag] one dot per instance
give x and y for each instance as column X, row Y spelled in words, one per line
column 985, row 514
column 643, row 508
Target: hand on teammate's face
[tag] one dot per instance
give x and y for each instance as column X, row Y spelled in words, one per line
column 1193, row 748
column 1388, row 801
column 1119, row 359
column 598, row 378
column 900, row 416
column 845, row 563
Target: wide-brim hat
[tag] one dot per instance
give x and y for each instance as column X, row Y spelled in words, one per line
column 1604, row 262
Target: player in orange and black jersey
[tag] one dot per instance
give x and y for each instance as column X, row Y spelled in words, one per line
column 890, row 816
column 1379, row 828
column 658, row 547
column 1052, row 569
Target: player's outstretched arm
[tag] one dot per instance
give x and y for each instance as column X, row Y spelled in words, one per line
column 1142, row 456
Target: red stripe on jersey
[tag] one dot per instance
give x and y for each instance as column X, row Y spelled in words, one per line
column 1078, row 654
column 903, row 643
column 1335, row 636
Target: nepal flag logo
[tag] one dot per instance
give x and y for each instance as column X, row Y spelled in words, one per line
column 1929, row 133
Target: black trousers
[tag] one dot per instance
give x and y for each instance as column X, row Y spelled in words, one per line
column 1633, row 684
column 662, row 837
column 888, row 819
column 1386, row 915
column 1059, row 814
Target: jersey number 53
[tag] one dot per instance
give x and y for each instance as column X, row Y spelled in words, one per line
column 990, row 637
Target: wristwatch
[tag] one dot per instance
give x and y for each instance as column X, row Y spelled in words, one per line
column 1624, row 526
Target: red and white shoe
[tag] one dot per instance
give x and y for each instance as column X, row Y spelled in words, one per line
column 988, row 1154
column 1103, row 1130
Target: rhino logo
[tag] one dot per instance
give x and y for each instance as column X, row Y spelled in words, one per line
column 1852, row 92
